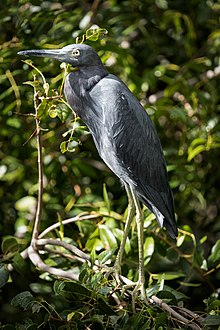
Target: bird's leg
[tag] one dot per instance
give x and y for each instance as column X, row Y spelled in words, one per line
column 140, row 230
column 131, row 212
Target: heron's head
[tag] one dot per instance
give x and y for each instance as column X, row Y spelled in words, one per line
column 78, row 55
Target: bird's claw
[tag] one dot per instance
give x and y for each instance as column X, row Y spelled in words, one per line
column 114, row 271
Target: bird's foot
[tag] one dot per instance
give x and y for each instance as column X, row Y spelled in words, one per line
column 139, row 290
column 114, row 271
column 126, row 285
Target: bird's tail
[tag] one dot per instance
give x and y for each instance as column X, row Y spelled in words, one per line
column 162, row 207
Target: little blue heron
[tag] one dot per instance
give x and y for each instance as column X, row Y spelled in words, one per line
column 124, row 136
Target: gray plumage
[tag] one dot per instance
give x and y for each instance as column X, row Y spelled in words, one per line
column 122, row 131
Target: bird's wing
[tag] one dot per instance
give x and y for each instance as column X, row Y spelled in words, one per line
column 130, row 146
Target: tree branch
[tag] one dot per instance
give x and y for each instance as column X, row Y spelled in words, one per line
column 38, row 262
column 179, row 317
column 40, row 244
column 67, row 221
column 40, row 174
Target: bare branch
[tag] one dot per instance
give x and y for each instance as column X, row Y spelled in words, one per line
column 38, row 262
column 67, row 221
column 64, row 255
column 176, row 315
column 40, row 173
column 42, row 242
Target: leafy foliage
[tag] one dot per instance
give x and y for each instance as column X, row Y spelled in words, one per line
column 168, row 54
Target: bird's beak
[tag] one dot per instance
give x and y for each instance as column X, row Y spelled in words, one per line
column 57, row 54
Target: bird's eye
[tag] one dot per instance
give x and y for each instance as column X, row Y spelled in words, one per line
column 76, row 52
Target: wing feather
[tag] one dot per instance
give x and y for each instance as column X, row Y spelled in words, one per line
column 128, row 143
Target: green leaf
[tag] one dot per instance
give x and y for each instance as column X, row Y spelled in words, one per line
column 84, row 273
column 58, row 286
column 212, row 320
column 190, row 284
column 178, row 295
column 26, row 203
column 215, row 252
column 14, row 122
column 10, row 245
column 4, row 275
column 160, row 320
column 8, row 327
column 94, row 242
column 195, row 152
column 62, row 112
column 23, row 300
column 63, row 146
column 118, row 233
column 167, row 276
column 107, row 237
column 152, row 290
column 71, row 290
column 93, row 255
column 180, row 240
column 167, row 296
column 94, row 34
column 53, row 112
column 215, row 305
column 106, row 199
column 42, row 108
column 105, row 307
column 162, row 4
column 77, row 288
column 104, row 256
column 148, row 249
column 19, row 263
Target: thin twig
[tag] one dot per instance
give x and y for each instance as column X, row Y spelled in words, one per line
column 64, row 255
column 67, row 221
column 174, row 314
column 187, row 313
column 42, row 242
column 40, row 177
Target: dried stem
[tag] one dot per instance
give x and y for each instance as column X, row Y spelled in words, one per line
column 40, row 178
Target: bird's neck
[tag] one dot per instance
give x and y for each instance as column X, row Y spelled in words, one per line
column 91, row 75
